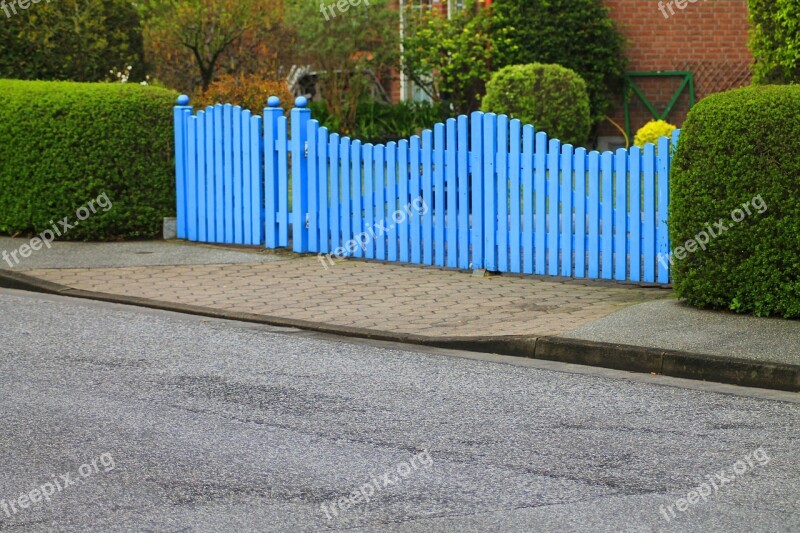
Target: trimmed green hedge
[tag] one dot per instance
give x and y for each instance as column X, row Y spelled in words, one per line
column 63, row 144
column 738, row 164
column 551, row 97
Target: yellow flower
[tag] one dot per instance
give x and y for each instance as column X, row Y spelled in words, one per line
column 652, row 131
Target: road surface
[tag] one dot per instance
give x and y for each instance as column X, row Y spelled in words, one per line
column 119, row 419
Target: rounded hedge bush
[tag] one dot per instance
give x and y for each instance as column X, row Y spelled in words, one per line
column 63, row 144
column 551, row 97
column 736, row 177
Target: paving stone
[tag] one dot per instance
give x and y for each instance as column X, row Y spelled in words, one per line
column 379, row 296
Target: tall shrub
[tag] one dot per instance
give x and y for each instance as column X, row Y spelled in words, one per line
column 577, row 34
column 351, row 52
column 77, row 40
column 775, row 40
column 193, row 41
column 450, row 59
column 551, row 97
column 63, row 144
column 736, row 178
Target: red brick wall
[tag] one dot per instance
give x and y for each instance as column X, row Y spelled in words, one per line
column 707, row 37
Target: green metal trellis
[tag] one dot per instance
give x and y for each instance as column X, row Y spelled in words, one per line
column 688, row 79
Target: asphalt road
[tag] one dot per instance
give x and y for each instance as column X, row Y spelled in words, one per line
column 137, row 420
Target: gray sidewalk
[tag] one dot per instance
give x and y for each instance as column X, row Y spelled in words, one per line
column 598, row 323
column 674, row 325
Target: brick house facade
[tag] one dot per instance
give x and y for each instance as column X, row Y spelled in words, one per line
column 705, row 37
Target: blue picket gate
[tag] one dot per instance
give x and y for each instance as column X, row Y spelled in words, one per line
column 474, row 192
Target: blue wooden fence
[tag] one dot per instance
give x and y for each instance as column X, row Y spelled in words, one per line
column 475, row 192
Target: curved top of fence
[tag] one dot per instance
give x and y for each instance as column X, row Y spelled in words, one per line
column 492, row 121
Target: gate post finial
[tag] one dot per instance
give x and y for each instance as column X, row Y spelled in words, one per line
column 182, row 111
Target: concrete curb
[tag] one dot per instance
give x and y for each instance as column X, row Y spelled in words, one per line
column 673, row 363
column 735, row 371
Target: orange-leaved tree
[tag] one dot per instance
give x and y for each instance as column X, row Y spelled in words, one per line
column 190, row 42
column 248, row 91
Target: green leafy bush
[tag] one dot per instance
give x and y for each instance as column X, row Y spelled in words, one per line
column 63, row 144
column 551, row 97
column 450, row 58
column 775, row 40
column 577, row 34
column 377, row 122
column 77, row 40
column 349, row 52
column 740, row 150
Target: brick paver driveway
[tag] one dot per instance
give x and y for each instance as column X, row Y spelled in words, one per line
column 376, row 296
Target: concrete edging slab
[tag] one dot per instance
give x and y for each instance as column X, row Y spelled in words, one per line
column 735, row 371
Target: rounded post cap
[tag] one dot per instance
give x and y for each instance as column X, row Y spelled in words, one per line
column 273, row 101
column 301, row 101
column 183, row 100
